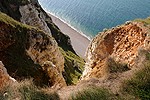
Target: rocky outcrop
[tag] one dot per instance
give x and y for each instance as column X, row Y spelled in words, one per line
column 120, row 44
column 31, row 16
column 24, row 51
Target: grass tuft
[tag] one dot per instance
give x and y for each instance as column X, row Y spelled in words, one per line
column 91, row 93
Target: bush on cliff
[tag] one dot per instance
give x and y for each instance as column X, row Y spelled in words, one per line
column 115, row 67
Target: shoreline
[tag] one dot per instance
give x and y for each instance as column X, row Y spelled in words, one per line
column 79, row 40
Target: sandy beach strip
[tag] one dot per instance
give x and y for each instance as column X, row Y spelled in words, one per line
column 78, row 41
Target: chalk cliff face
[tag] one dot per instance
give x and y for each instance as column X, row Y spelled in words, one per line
column 121, row 44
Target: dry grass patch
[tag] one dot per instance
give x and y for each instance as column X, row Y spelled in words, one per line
column 26, row 90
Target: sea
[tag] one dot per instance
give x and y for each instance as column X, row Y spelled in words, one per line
column 89, row 17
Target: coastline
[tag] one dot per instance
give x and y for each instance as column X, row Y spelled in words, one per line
column 78, row 40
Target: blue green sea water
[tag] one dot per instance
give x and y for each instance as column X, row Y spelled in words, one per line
column 92, row 16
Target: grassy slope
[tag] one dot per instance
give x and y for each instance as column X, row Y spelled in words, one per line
column 73, row 67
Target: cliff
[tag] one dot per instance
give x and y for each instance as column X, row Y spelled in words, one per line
column 31, row 13
column 33, row 48
column 117, row 60
column 119, row 56
column 121, row 44
column 24, row 50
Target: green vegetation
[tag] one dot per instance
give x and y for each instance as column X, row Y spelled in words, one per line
column 73, row 67
column 91, row 93
column 26, row 90
column 139, row 85
column 145, row 21
column 15, row 24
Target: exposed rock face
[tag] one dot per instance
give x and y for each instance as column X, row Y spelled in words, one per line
column 120, row 43
column 31, row 16
column 24, row 50
column 5, row 79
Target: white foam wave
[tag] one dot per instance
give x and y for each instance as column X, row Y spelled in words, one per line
column 68, row 24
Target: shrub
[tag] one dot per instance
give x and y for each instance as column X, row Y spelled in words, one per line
column 115, row 67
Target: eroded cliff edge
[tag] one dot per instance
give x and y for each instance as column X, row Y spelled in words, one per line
column 116, row 54
column 121, row 43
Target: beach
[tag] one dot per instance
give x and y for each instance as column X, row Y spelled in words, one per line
column 78, row 40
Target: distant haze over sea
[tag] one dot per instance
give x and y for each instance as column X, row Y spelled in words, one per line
column 92, row 16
